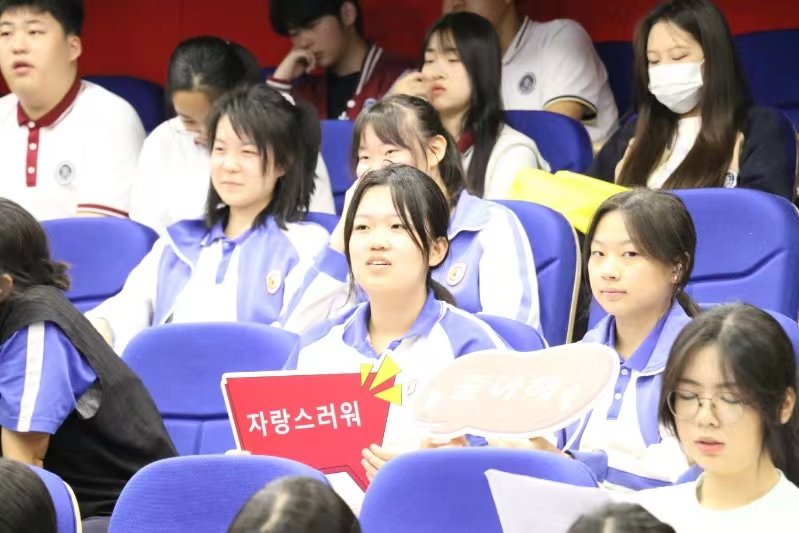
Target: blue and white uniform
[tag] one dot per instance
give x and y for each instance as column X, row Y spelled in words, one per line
column 440, row 334
column 194, row 274
column 42, row 378
column 620, row 439
column 489, row 269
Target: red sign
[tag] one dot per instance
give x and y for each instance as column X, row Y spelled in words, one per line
column 322, row 420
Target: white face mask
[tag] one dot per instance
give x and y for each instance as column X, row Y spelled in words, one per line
column 677, row 86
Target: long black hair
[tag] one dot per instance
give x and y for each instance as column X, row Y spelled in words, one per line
column 289, row 132
column 725, row 101
column 477, row 45
column 25, row 503
column 419, row 203
column 756, row 355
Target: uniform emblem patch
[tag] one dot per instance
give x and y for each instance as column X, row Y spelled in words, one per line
column 65, row 173
column 731, row 180
column 273, row 281
column 527, row 83
column 456, row 274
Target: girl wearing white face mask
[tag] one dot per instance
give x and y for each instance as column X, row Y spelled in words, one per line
column 694, row 124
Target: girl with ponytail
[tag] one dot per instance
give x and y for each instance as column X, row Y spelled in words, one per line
column 395, row 234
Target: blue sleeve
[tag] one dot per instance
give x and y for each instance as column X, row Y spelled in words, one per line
column 597, row 462
column 43, row 375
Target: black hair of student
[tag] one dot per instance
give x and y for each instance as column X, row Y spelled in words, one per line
column 661, row 229
column 293, row 505
column 724, row 104
column 756, row 355
column 68, row 13
column 24, row 252
column 211, row 65
column 288, row 15
column 285, row 132
column 420, row 205
column 25, row 503
column 620, row 518
column 411, row 122
column 477, row 45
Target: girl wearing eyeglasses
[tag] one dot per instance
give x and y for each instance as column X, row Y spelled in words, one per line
column 729, row 394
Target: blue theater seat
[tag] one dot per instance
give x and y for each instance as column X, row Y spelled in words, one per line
column 336, row 146
column 518, row 335
column 146, row 97
column 619, row 61
column 67, row 514
column 563, row 141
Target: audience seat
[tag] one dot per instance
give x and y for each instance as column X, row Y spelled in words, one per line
column 619, row 60
column 434, row 491
column 197, row 494
column 557, row 265
column 182, row 365
column 67, row 514
column 336, row 146
column 563, row 141
column 519, row 336
column 146, row 97
column 101, row 252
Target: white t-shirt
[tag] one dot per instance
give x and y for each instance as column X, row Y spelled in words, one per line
column 80, row 157
column 173, row 177
column 512, row 152
column 555, row 61
column 679, row 507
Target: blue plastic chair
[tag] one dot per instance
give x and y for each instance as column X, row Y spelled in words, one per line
column 619, row 60
column 326, row 220
column 432, row 491
column 519, row 336
column 146, row 97
column 101, row 253
column 557, row 265
column 197, row 494
column 182, row 365
column 336, row 146
column 563, row 141
column 67, row 514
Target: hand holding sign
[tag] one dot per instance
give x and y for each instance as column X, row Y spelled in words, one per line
column 508, row 394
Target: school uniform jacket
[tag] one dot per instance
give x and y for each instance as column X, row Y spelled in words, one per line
column 268, row 265
column 378, row 73
column 489, row 268
column 620, row 440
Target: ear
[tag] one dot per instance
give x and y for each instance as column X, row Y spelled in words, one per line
column 788, row 404
column 438, row 251
column 75, row 47
column 435, row 151
column 349, row 14
column 6, row 287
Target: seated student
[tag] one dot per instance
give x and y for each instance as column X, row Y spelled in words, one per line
column 173, row 172
column 729, row 394
column 489, row 267
column 25, row 503
column 246, row 260
column 395, row 233
column 67, row 402
column 620, row 518
column 328, row 35
column 639, row 253
column 460, row 77
column 548, row 65
column 295, row 505
column 69, row 146
column 695, row 125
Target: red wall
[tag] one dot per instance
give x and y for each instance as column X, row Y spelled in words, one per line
column 136, row 38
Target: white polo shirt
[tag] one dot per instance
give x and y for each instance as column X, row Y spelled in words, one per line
column 80, row 157
column 173, row 177
column 555, row 61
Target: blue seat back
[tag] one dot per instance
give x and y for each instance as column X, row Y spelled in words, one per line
column 619, row 61
column 563, row 141
column 146, row 97
column 101, row 252
column 519, row 336
column 181, row 365
column 197, row 494
column 557, row 266
column 67, row 514
column 336, row 145
column 432, row 491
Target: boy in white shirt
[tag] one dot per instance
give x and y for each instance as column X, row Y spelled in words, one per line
column 69, row 147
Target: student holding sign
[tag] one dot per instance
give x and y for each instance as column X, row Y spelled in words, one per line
column 249, row 256
column 729, row 394
column 395, row 234
column 489, row 267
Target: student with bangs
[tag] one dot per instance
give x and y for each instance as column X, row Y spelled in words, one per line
column 460, row 77
column 489, row 267
column 248, row 258
column 395, row 235
column 729, row 395
column 173, row 173
column 695, row 125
